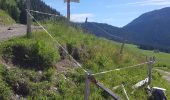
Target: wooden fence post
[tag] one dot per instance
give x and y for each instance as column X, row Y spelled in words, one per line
column 150, row 65
column 86, row 20
column 122, row 47
column 28, row 19
column 87, row 87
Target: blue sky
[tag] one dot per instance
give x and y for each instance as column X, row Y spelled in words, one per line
column 114, row 12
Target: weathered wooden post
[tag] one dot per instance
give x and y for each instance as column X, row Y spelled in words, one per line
column 87, row 87
column 101, row 86
column 150, row 65
column 86, row 20
column 122, row 47
column 28, row 19
column 68, row 10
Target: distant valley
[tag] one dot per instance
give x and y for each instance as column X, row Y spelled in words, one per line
column 151, row 30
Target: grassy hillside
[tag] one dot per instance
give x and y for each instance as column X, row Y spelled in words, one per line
column 34, row 74
column 5, row 19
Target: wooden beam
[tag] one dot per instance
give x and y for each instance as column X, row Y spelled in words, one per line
column 98, row 84
column 141, row 83
column 113, row 95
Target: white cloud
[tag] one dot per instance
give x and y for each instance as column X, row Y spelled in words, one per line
column 80, row 17
column 151, row 3
column 143, row 3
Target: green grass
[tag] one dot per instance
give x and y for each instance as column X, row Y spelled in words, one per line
column 162, row 59
column 5, row 19
column 95, row 54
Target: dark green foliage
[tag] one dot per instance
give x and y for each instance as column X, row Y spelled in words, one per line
column 153, row 47
column 16, row 9
column 48, row 74
column 5, row 91
column 17, row 81
column 37, row 5
column 24, row 83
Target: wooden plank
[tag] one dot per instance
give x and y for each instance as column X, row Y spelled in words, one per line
column 141, row 83
column 72, row 1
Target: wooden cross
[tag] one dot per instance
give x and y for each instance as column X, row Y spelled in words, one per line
column 68, row 7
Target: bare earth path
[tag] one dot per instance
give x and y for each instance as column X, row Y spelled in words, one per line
column 166, row 74
column 14, row 30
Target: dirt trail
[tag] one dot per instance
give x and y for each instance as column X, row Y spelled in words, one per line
column 14, row 30
column 166, row 74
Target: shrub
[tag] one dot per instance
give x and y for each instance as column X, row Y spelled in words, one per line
column 48, row 74
column 5, row 92
column 38, row 55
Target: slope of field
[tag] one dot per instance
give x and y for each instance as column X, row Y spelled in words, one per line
column 32, row 69
column 5, row 19
column 162, row 59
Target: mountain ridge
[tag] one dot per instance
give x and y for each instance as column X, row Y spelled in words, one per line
column 150, row 31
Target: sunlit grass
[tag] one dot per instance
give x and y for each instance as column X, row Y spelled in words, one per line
column 96, row 55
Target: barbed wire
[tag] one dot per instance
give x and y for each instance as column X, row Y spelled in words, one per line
column 39, row 12
column 122, row 68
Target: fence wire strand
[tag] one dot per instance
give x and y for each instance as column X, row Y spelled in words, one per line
column 118, row 69
column 39, row 12
column 76, row 62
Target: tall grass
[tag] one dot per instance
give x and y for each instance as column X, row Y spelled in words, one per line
column 96, row 55
column 5, row 19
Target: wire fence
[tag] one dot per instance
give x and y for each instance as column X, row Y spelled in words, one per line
column 104, row 72
column 71, row 57
column 76, row 62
